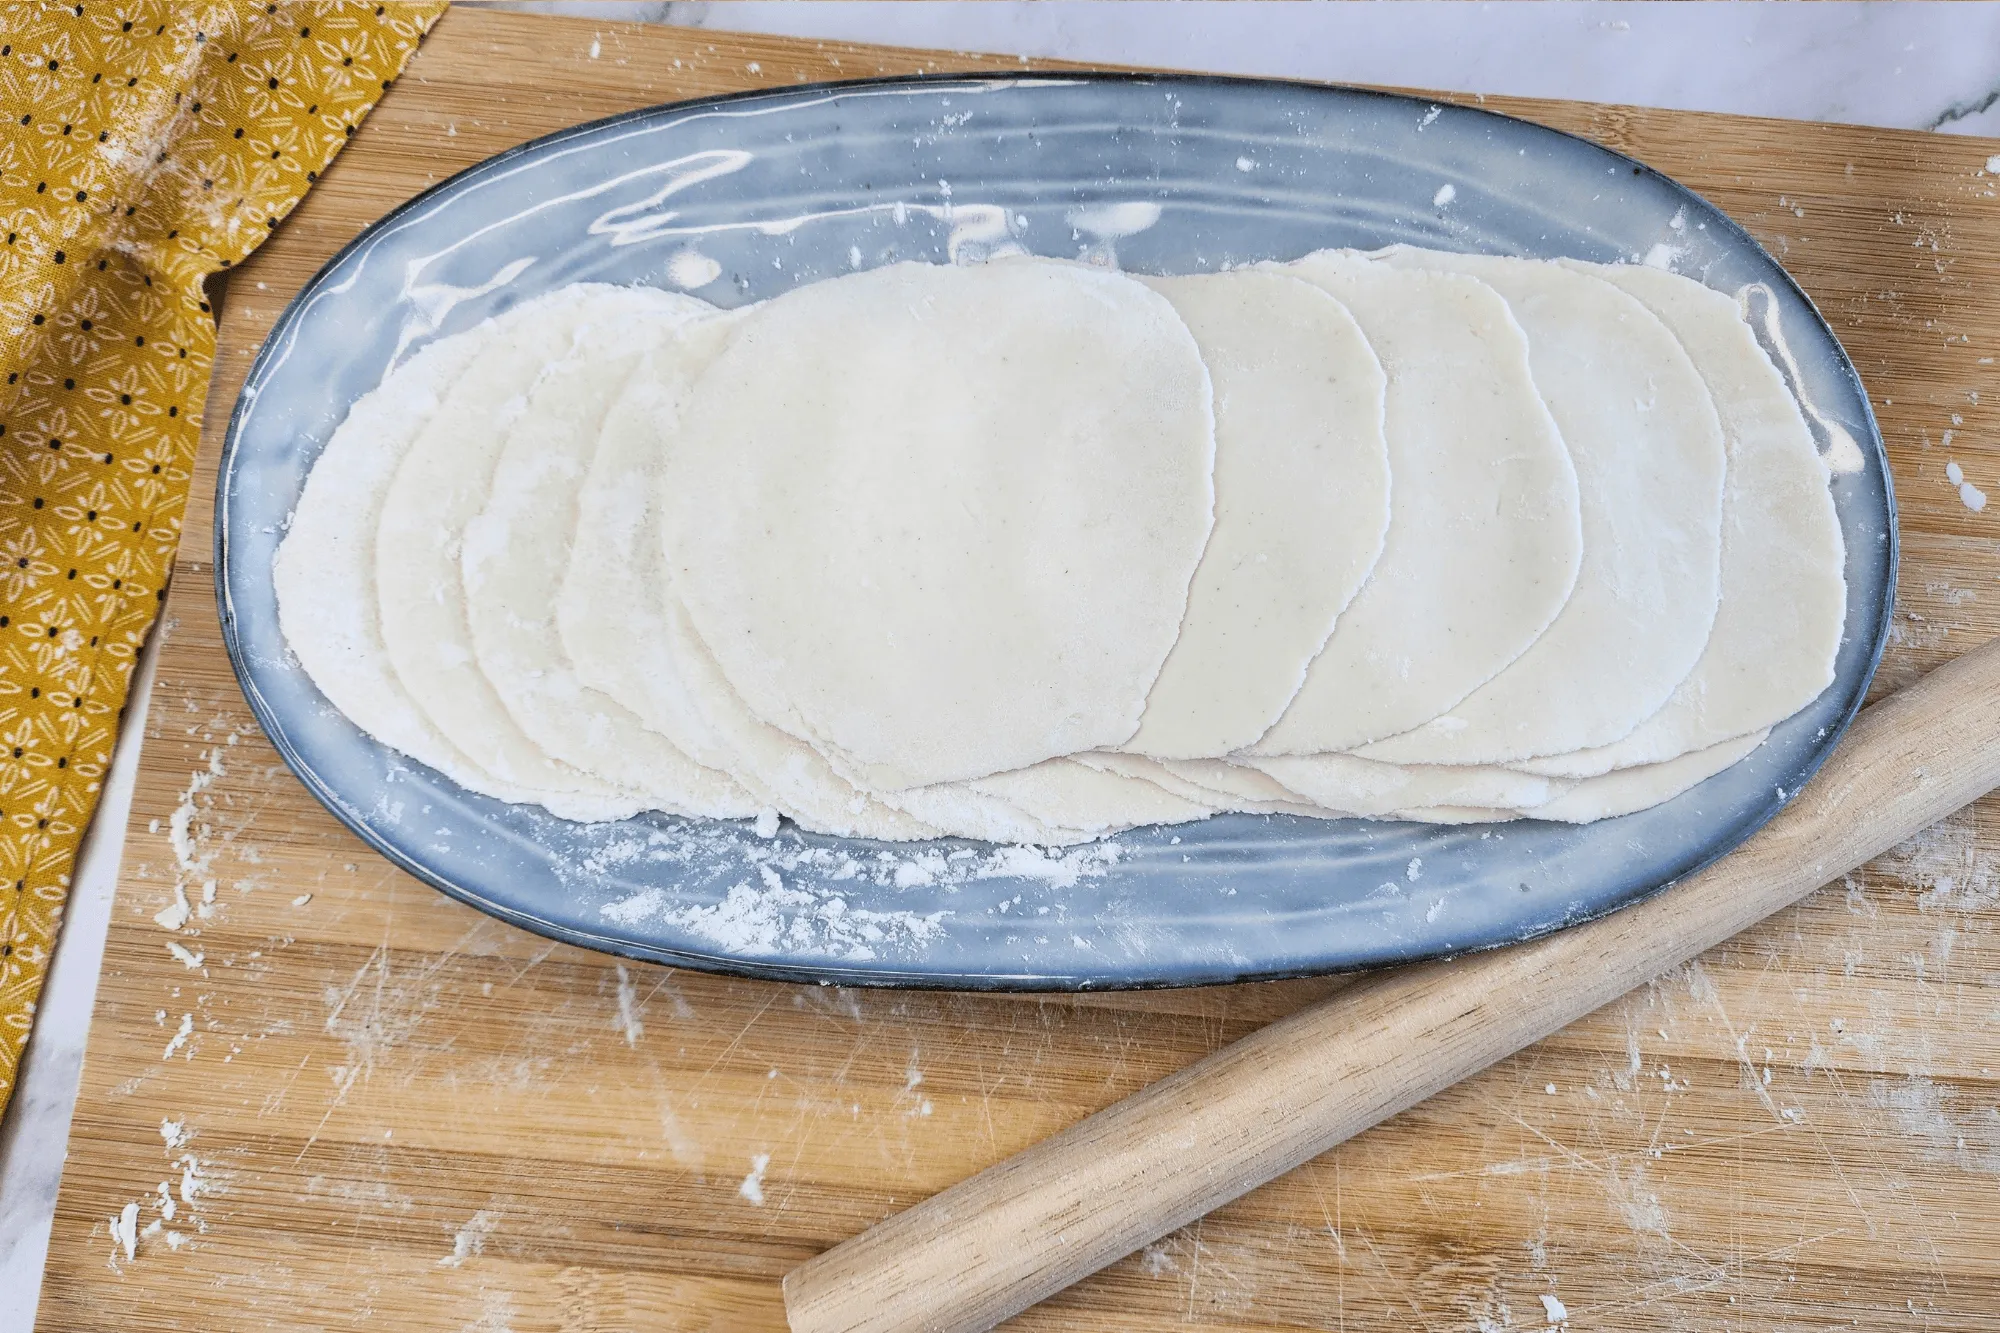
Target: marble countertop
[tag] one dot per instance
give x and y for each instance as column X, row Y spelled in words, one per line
column 1930, row 66
column 1916, row 64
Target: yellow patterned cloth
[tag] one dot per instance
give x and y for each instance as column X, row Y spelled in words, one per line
column 144, row 146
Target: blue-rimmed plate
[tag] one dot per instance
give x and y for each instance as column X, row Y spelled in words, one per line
column 740, row 198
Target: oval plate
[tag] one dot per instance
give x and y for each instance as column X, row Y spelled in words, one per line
column 743, row 197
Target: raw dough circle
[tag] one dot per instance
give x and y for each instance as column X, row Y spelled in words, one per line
column 1647, row 446
column 514, row 558
column 610, row 615
column 1782, row 597
column 942, row 521
column 324, row 571
column 1484, row 540
column 438, row 488
column 1301, row 505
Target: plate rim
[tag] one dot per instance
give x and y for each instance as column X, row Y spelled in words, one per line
column 1874, row 448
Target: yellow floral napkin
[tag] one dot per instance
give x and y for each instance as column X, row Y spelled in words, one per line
column 144, row 145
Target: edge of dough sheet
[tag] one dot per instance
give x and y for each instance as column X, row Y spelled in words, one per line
column 1783, row 597
column 1624, row 791
column 994, row 625
column 324, row 572
column 611, row 616
column 780, row 770
column 1302, row 494
column 1485, row 537
column 514, row 559
column 1648, row 451
column 439, row 486
column 1372, row 788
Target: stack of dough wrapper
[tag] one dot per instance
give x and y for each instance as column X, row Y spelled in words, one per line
column 1034, row 551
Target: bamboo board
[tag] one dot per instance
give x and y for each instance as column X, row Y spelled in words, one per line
column 401, row 1114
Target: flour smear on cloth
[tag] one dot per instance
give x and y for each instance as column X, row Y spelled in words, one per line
column 1033, row 552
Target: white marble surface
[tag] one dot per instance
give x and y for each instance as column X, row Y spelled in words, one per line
column 36, row 1128
column 1901, row 65
column 1918, row 64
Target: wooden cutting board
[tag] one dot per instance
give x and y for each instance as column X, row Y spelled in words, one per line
column 392, row 1112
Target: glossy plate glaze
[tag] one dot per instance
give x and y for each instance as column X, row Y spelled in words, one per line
column 740, row 198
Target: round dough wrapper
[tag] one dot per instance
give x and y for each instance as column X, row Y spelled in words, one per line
column 439, row 487
column 1483, row 543
column 1173, row 776
column 1610, row 795
column 1366, row 787
column 955, row 536
column 626, row 635
column 1783, row 595
column 1065, row 792
column 781, row 771
column 1301, row 505
column 1649, row 458
column 1248, row 789
column 611, row 615
column 513, row 561
column 626, row 632
column 324, row 571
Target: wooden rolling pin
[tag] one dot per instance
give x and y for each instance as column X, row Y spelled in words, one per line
column 1027, row 1227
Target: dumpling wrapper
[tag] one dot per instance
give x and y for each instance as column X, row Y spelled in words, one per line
column 1609, row 795
column 439, row 487
column 1783, row 588
column 514, row 558
column 1627, row 790
column 1157, row 772
column 324, row 571
column 611, row 615
column 1647, row 446
column 955, row 536
column 626, row 633
column 627, row 636
column 1301, row 505
column 1063, row 792
column 1484, row 541
column 1368, row 787
column 783, row 772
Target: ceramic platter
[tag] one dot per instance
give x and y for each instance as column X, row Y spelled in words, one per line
column 739, row 199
